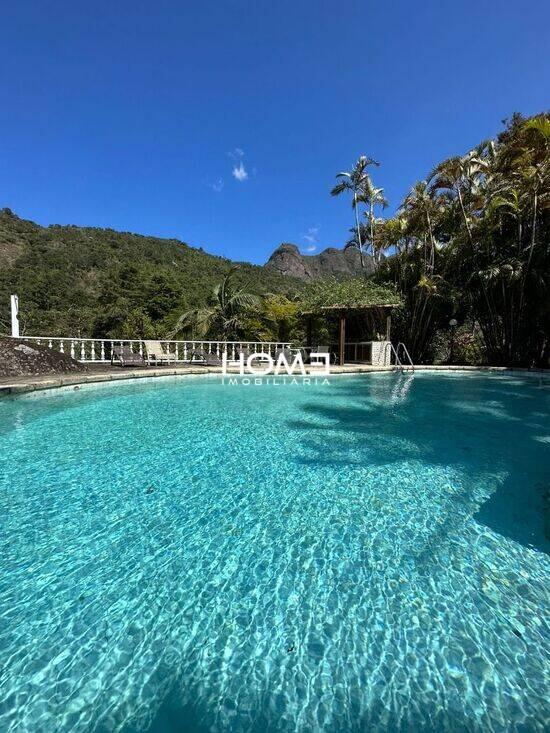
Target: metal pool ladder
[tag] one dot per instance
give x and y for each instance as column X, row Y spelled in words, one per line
column 403, row 361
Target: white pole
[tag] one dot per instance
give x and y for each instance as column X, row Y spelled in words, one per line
column 14, row 316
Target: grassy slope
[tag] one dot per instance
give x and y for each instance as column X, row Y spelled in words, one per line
column 73, row 280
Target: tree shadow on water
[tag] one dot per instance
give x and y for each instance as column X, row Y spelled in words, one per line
column 477, row 427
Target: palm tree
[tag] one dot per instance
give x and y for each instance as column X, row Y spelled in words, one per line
column 353, row 181
column 458, row 176
column 223, row 313
column 394, row 232
column 537, row 173
column 372, row 196
column 420, row 209
column 354, row 240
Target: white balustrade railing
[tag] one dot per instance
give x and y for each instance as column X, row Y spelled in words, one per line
column 99, row 350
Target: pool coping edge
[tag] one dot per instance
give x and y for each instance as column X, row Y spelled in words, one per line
column 66, row 380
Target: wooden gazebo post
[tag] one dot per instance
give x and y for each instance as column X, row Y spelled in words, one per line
column 342, row 337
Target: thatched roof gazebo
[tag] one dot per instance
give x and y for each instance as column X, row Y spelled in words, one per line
column 344, row 298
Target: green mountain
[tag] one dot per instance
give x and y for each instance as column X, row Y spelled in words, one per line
column 98, row 282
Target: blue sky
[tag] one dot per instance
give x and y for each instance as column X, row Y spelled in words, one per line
column 224, row 123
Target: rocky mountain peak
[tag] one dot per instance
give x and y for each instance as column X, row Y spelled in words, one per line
column 288, row 260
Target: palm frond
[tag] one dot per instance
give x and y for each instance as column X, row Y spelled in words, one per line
column 340, row 188
column 244, row 300
column 541, row 125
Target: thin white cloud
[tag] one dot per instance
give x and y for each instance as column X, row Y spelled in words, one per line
column 311, row 237
column 236, row 154
column 239, row 172
column 217, row 186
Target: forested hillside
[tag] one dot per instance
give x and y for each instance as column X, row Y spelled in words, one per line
column 98, row 282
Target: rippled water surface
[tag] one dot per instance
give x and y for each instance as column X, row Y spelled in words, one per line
column 368, row 555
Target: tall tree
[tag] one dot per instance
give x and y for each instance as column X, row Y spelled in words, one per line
column 354, row 182
column 420, row 210
column 372, row 197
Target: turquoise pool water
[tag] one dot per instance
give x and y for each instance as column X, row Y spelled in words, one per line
column 368, row 555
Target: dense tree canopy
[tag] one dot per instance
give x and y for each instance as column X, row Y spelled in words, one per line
column 472, row 242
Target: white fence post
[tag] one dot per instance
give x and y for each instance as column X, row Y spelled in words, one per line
column 14, row 300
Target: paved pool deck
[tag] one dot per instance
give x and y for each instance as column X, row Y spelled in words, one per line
column 107, row 373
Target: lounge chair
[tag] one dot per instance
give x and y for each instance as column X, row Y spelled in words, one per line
column 126, row 357
column 325, row 350
column 156, row 353
column 304, row 353
column 288, row 354
column 205, row 358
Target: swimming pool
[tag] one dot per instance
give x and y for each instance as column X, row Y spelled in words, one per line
column 178, row 555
